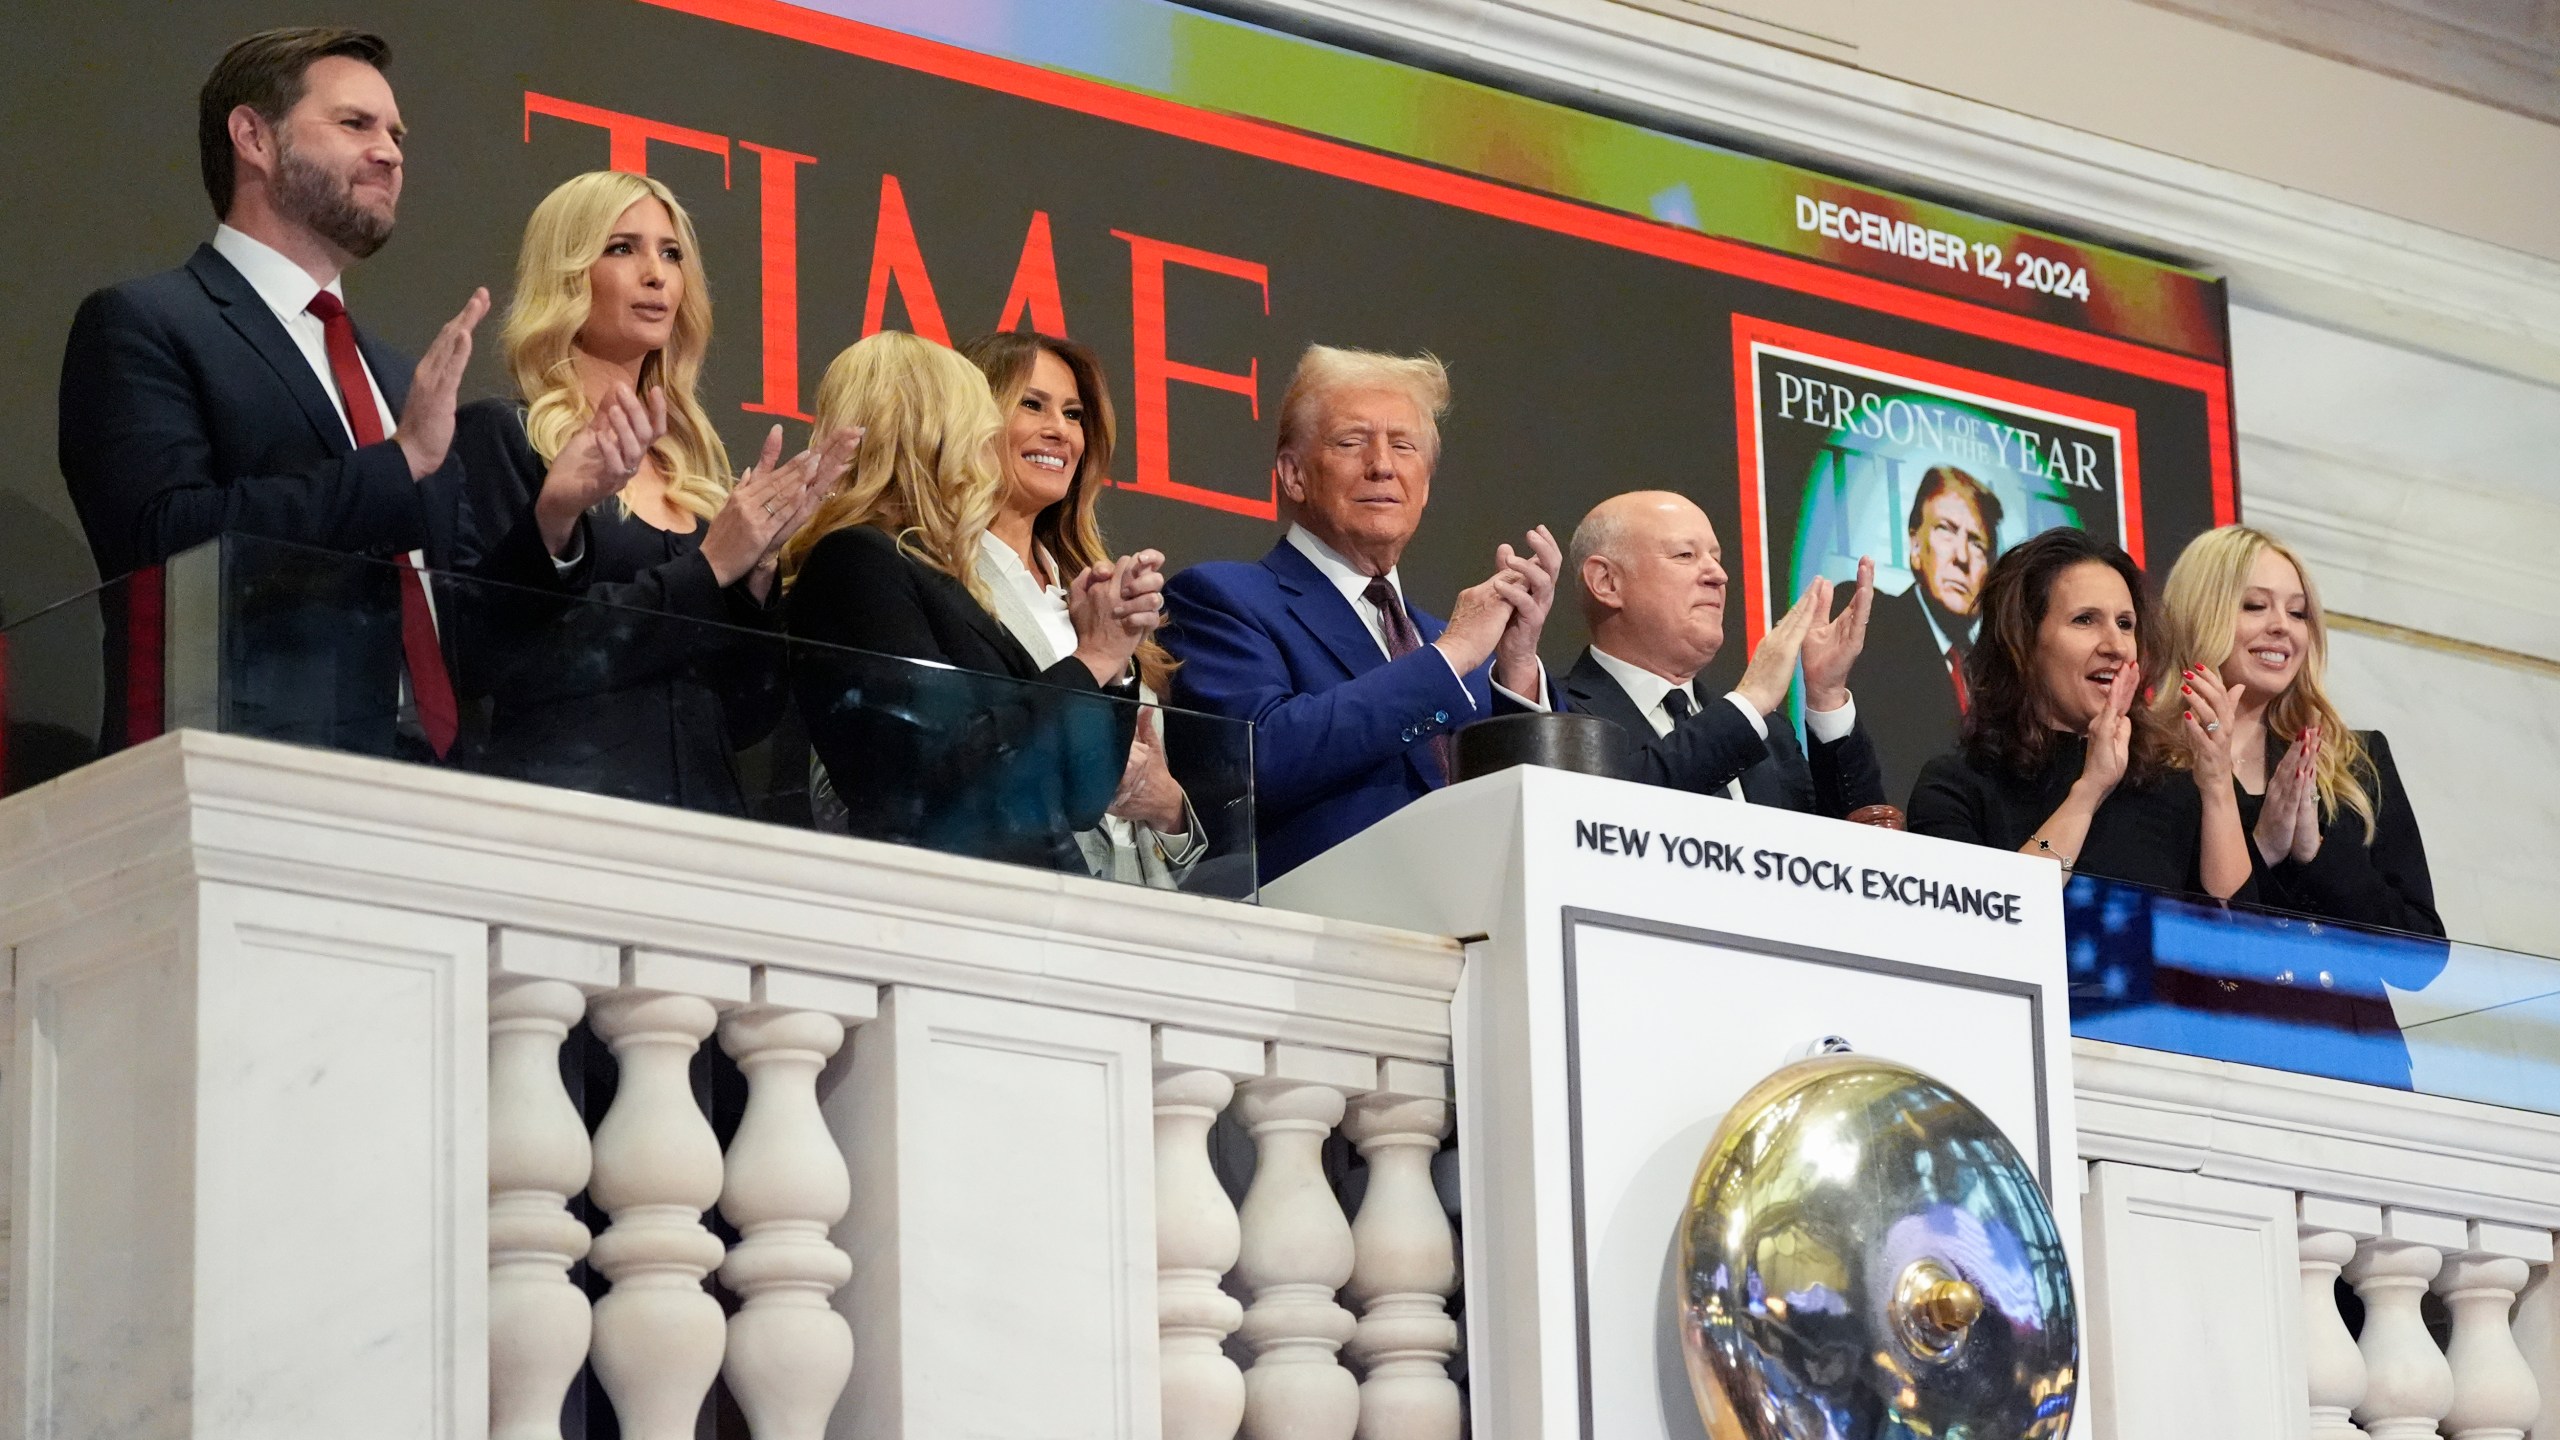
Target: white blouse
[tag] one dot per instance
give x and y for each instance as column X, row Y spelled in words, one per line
column 1035, row 612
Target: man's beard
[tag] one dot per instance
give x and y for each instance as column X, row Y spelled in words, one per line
column 327, row 204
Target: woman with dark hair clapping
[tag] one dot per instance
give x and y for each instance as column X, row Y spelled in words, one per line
column 2060, row 756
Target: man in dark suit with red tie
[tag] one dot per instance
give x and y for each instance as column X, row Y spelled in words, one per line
column 1353, row 690
column 235, row 395
column 1917, row 641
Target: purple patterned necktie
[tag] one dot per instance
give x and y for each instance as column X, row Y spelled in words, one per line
column 1403, row 640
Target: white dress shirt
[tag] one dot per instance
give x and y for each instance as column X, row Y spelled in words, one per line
column 1034, row 612
column 287, row 288
column 1647, row 690
column 1353, row 582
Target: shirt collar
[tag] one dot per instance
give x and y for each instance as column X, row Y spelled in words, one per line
column 1009, row 567
column 286, row 287
column 1643, row 687
column 1346, row 577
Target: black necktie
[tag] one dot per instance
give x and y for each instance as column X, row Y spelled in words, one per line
column 1675, row 703
column 1403, row 640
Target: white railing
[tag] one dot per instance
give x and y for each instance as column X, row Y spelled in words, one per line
column 976, row 1182
column 2225, row 1205
column 656, row 1339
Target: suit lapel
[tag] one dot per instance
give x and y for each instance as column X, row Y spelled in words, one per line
column 255, row 323
column 1593, row 690
column 1321, row 608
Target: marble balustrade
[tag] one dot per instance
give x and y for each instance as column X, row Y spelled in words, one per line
column 312, row 1007
column 1349, row 1323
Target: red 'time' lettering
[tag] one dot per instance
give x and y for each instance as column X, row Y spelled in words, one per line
column 1035, row 283
column 896, row 258
column 628, row 135
column 1154, row 372
column 778, row 192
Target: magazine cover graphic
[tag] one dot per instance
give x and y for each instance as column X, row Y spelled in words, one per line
column 1851, row 450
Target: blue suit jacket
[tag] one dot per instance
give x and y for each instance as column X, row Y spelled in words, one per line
column 1340, row 731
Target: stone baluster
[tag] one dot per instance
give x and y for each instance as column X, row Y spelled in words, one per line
column 658, row 1333
column 2336, row 1367
column 1197, row 1234
column 1297, row 1249
column 789, row 1351
column 2408, row 1385
column 1406, row 1263
column 2494, row 1395
column 538, row 1158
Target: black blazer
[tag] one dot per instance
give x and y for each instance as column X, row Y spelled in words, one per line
column 610, row 697
column 187, row 412
column 1912, row 700
column 2149, row 834
column 2384, row 883
column 1008, row 768
column 1705, row 753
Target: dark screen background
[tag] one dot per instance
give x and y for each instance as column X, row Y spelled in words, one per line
column 1580, row 370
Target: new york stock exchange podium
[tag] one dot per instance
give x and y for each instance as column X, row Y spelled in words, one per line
column 1638, row 960
column 290, row 1152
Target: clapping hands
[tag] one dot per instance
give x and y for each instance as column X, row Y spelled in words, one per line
column 1114, row 608
column 1833, row 644
column 1502, row 616
column 2110, row 735
column 769, row 504
column 2289, row 821
column 599, row 460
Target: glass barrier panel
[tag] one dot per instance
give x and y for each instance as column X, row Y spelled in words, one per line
column 282, row 642
column 2312, row 996
column 58, row 709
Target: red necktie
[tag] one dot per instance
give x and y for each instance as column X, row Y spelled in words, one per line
column 1955, row 672
column 1403, row 640
column 437, row 715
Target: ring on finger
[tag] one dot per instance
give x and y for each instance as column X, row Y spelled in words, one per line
column 2210, row 726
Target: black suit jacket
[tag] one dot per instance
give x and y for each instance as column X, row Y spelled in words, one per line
column 1705, row 753
column 2384, row 882
column 647, row 690
column 1903, row 676
column 982, row 753
column 186, row 413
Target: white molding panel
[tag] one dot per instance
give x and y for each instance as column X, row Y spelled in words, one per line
column 2167, row 1250
column 256, row 1118
column 1003, row 1225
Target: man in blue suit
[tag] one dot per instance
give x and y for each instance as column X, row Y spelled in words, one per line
column 1351, row 689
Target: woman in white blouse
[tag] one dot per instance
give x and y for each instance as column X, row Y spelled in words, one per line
column 1056, row 451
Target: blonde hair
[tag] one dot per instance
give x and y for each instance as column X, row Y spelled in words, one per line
column 926, row 470
column 562, row 242
column 2202, row 610
column 1327, row 370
